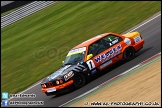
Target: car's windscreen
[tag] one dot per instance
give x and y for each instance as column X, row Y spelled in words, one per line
column 75, row 56
column 74, row 59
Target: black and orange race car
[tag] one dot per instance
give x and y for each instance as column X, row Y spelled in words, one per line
column 91, row 57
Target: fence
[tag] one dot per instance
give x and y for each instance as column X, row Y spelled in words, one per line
column 23, row 12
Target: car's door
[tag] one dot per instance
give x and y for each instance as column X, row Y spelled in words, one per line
column 96, row 49
column 104, row 51
column 113, row 45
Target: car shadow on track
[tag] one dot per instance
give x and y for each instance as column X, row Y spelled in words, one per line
column 64, row 92
column 142, row 51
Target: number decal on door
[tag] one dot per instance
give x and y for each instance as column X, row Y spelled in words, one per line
column 90, row 64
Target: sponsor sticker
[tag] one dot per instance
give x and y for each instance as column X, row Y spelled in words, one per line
column 78, row 50
column 137, row 39
column 51, row 90
column 105, row 64
column 69, row 75
column 93, row 71
column 113, row 42
column 110, row 54
column 127, row 41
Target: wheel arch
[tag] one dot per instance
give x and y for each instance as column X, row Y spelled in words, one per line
column 128, row 46
column 85, row 73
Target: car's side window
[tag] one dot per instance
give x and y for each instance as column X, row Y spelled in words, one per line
column 96, row 48
column 111, row 40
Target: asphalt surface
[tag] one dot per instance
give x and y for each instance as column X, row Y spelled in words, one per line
column 151, row 33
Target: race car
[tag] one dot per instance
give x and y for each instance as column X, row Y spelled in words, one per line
column 91, row 57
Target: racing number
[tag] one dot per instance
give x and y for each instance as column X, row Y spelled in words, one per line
column 90, row 64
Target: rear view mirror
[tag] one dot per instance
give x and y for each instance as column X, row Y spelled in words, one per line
column 89, row 56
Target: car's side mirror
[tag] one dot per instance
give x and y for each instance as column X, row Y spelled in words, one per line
column 62, row 62
column 89, row 56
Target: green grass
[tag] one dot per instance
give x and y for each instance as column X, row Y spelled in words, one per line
column 34, row 47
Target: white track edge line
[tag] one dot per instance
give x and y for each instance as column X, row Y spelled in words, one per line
column 145, row 22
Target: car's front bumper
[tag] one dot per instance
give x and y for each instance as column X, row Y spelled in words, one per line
column 57, row 88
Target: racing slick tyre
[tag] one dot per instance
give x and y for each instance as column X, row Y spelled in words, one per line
column 129, row 53
column 79, row 80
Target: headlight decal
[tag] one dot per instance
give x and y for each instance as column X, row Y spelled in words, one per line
column 59, row 81
column 43, row 85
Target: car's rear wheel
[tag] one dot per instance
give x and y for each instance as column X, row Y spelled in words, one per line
column 129, row 53
column 79, row 80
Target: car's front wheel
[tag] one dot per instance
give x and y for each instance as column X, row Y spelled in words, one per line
column 79, row 80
